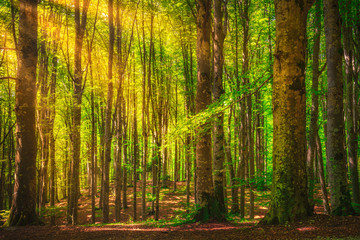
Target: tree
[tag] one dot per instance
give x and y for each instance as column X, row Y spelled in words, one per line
column 80, row 24
column 208, row 205
column 289, row 196
column 351, row 102
column 336, row 157
column 313, row 128
column 219, row 37
column 108, row 128
column 23, row 204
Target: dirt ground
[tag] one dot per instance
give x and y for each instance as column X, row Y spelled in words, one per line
column 172, row 208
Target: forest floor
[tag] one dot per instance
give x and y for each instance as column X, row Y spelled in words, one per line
column 172, row 212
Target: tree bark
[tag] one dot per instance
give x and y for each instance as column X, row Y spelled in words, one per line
column 289, row 196
column 336, row 157
column 208, row 205
column 23, row 203
column 321, row 174
column 52, row 112
column 218, row 163
column 350, row 105
column 108, row 130
column 313, row 131
column 80, row 25
column 43, row 121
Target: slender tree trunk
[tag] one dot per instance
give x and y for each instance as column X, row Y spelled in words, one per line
column 219, row 153
column 52, row 101
column 135, row 155
column 119, row 113
column 145, row 112
column 93, row 147
column 126, row 161
column 101, row 124
column 350, row 102
column 108, row 130
column 322, row 175
column 43, row 122
column 336, row 157
column 118, row 166
column 314, row 106
column 234, row 189
column 2, row 171
column 80, row 25
column 244, row 9
column 176, row 160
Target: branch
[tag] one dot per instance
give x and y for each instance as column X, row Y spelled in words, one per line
column 7, row 134
column 322, row 69
column 6, row 48
column 213, row 110
column 191, row 8
column 11, row 78
column 249, row 94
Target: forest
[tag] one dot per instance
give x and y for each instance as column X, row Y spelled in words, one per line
column 170, row 115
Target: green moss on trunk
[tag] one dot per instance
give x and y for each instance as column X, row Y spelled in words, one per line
column 210, row 211
column 22, row 218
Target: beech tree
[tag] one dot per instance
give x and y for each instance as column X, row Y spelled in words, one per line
column 24, row 200
column 134, row 95
column 80, row 24
column 335, row 154
column 219, row 37
column 208, row 205
column 289, row 196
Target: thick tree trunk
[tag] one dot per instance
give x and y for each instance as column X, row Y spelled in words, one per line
column 23, row 203
column 289, row 197
column 336, row 157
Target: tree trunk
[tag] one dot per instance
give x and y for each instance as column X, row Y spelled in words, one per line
column 336, row 157
column 135, row 156
column 23, row 203
column 218, row 163
column 145, row 114
column 350, row 103
column 125, row 160
column 234, row 189
column 314, row 106
column 52, row 101
column 76, row 120
column 108, row 130
column 289, row 196
column 93, row 147
column 208, row 205
column 322, row 175
column 43, row 121
column 2, row 171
